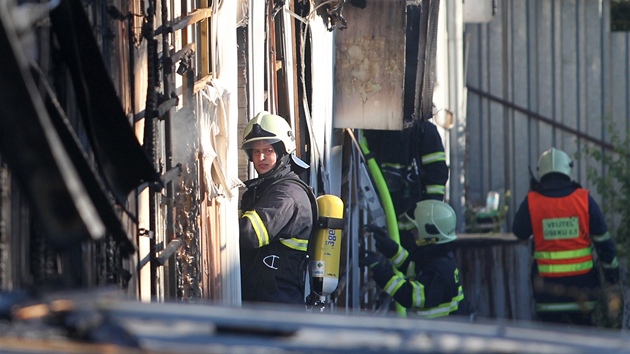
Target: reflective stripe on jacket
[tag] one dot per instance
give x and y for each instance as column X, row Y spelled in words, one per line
column 274, row 230
column 561, row 239
column 442, row 309
column 584, row 306
column 435, row 292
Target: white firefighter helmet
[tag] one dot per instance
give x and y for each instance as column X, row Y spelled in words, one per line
column 269, row 127
column 554, row 161
column 435, row 221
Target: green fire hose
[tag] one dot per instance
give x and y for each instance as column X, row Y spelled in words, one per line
column 386, row 200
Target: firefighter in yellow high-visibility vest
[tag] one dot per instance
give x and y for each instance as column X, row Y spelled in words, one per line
column 566, row 223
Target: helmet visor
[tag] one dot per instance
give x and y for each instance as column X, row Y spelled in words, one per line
column 249, row 144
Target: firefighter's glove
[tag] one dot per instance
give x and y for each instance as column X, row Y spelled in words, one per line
column 611, row 275
column 371, row 260
column 384, row 244
column 380, row 267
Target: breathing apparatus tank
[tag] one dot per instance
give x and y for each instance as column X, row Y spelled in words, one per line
column 325, row 253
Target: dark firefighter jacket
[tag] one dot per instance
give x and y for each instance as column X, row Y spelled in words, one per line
column 413, row 162
column 431, row 286
column 560, row 267
column 275, row 226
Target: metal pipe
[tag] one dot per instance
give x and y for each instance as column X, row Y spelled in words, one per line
column 541, row 118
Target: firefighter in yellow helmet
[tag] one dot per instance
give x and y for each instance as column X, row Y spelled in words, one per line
column 430, row 286
column 277, row 215
column 565, row 222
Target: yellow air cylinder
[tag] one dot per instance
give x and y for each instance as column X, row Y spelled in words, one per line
column 324, row 264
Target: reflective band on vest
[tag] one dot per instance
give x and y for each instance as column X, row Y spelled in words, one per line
column 394, row 284
column 601, row 238
column 584, row 252
column 399, row 258
column 436, row 189
column 561, row 240
column 411, row 270
column 565, row 306
column 565, row 268
column 442, row 309
column 417, row 295
column 259, row 227
column 295, row 243
column 433, row 157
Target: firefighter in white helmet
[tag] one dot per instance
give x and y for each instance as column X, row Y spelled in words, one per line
column 565, row 222
column 430, row 286
column 276, row 215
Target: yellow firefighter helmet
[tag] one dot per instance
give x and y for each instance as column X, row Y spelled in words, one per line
column 269, row 127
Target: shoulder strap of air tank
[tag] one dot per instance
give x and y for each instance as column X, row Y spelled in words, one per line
column 311, row 237
column 313, row 200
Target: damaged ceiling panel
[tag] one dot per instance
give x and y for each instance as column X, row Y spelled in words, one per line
column 370, row 66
